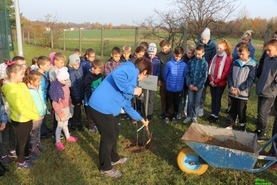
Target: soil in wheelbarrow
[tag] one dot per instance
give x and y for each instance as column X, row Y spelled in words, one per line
column 135, row 147
column 228, row 143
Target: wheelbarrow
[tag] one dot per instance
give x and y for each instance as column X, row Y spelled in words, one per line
column 221, row 148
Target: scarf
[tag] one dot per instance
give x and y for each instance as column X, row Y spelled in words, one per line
column 56, row 91
column 221, row 65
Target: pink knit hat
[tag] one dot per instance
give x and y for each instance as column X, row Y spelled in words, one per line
column 51, row 56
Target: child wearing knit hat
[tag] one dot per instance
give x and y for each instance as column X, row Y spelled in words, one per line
column 61, row 103
column 76, row 90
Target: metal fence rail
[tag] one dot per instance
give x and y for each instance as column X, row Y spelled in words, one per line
column 5, row 36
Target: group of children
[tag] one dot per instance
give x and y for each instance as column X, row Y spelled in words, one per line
column 183, row 76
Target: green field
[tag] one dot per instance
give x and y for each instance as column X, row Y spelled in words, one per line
column 78, row 164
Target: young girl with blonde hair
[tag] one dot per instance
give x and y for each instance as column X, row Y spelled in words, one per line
column 23, row 112
column 218, row 70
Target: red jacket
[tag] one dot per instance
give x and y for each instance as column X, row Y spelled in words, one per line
column 223, row 80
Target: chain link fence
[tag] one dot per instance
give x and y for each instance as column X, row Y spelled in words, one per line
column 5, row 36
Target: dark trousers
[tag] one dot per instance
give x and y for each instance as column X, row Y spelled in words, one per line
column 172, row 98
column 108, row 128
column 22, row 132
column 238, row 108
column 264, row 109
column 274, row 131
column 76, row 118
column 8, row 140
column 163, row 96
column 216, row 94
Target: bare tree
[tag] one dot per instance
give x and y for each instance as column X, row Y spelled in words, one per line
column 198, row 14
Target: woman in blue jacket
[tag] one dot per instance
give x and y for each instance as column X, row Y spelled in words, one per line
column 112, row 95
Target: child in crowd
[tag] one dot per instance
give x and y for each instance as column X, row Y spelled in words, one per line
column 164, row 55
column 34, row 65
column 139, row 53
column 174, row 75
column 61, row 102
column 91, row 82
column 113, row 62
column 59, row 62
column 7, row 147
column 23, row 112
column 87, row 60
column 210, row 51
column 266, row 88
column 33, row 79
column 77, row 52
column 126, row 53
column 3, row 123
column 21, row 61
column 196, row 77
column 155, row 61
column 218, row 71
column 43, row 68
column 76, row 90
column 189, row 54
column 240, row 80
column 51, row 56
column 145, row 45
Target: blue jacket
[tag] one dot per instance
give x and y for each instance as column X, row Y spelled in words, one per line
column 156, row 66
column 3, row 115
column 252, row 52
column 77, row 84
column 210, row 49
column 242, row 77
column 37, row 96
column 116, row 92
column 174, row 75
column 197, row 72
column 44, row 86
column 86, row 66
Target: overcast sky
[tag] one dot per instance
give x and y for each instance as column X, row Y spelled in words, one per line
column 120, row 11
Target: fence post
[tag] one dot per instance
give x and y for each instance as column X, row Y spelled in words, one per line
column 102, row 42
column 185, row 37
column 52, row 40
column 136, row 37
column 80, row 43
column 63, row 39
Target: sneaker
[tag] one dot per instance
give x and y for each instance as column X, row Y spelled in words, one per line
column 12, row 154
column 194, row 120
column 120, row 161
column 166, row 120
column 200, row 113
column 72, row 139
column 6, row 160
column 112, row 173
column 162, row 116
column 179, row 115
column 26, row 164
column 60, row 146
column 242, row 127
column 32, row 156
column 174, row 120
column 188, row 119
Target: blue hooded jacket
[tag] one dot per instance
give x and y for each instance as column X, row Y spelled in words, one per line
column 197, row 72
column 77, row 84
column 156, row 65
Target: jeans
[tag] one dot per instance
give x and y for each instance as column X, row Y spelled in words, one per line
column 194, row 98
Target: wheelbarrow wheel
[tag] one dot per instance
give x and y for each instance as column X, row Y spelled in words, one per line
column 189, row 162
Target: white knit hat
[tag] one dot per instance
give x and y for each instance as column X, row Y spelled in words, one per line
column 62, row 74
column 3, row 73
column 206, row 34
column 152, row 49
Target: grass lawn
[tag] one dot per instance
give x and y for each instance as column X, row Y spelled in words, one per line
column 78, row 164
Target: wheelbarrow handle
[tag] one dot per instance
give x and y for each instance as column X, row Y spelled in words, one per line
column 267, row 143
